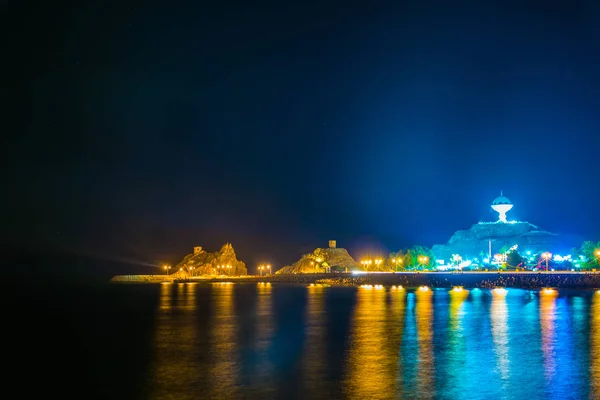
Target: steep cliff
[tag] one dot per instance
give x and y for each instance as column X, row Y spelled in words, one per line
column 202, row 262
column 321, row 260
column 473, row 242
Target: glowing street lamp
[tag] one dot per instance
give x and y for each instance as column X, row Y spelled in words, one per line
column 378, row 261
column 367, row 263
column 547, row 257
column 396, row 262
column 422, row 260
column 166, row 268
column 264, row 267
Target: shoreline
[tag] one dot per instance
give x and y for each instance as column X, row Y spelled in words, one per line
column 520, row 280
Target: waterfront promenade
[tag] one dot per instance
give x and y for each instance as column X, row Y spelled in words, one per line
column 525, row 279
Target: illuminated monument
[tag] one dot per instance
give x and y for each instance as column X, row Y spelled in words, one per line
column 502, row 205
column 484, row 238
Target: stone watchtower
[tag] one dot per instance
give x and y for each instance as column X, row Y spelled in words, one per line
column 332, row 244
column 197, row 249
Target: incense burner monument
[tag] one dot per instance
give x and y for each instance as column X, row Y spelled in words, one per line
column 483, row 239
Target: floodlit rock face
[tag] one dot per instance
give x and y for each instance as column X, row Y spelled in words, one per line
column 474, row 242
column 205, row 263
column 322, row 260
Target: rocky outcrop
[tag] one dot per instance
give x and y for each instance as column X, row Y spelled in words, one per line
column 474, row 242
column 322, row 260
column 201, row 262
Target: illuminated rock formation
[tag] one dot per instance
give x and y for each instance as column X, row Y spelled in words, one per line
column 222, row 262
column 322, row 260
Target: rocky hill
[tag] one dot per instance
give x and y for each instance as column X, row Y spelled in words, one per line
column 205, row 263
column 321, row 260
column 471, row 243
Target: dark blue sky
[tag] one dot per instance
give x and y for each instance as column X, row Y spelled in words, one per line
column 138, row 131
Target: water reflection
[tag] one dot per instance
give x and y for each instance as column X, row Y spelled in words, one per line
column 202, row 339
column 222, row 343
column 175, row 344
column 499, row 320
column 314, row 355
column 457, row 297
column 369, row 367
column 547, row 325
column 264, row 333
column 395, row 330
column 595, row 347
column 425, row 357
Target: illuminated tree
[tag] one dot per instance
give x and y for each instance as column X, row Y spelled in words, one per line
column 513, row 259
column 589, row 251
column 398, row 261
column 421, row 257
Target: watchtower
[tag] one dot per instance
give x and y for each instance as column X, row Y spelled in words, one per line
column 197, row 249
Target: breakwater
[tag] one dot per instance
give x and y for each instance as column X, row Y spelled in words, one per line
column 524, row 280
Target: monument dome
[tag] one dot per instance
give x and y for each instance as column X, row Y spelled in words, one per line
column 502, row 205
column 501, row 200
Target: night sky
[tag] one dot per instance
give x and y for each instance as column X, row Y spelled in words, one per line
column 136, row 131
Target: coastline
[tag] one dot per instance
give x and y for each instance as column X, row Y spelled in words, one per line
column 521, row 280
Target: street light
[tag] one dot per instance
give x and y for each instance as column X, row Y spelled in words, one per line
column 378, row 261
column 367, row 263
column 396, row 262
column 547, row 256
column 264, row 267
column 166, row 268
column 423, row 260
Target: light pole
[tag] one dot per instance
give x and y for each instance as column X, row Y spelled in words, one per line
column 269, row 268
column 263, row 267
column 377, row 262
column 423, row 260
column 396, row 262
column 546, row 256
column 166, row 268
